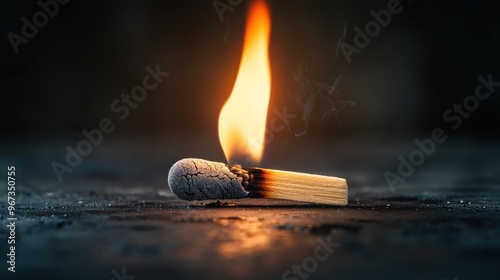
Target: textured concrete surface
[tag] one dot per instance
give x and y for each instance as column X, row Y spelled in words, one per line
column 114, row 218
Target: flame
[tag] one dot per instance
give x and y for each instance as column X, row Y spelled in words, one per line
column 242, row 121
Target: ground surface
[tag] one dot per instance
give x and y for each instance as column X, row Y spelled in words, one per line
column 442, row 224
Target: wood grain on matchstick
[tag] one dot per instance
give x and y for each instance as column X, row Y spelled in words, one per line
column 297, row 186
column 198, row 179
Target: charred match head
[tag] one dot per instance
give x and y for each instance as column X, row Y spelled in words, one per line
column 198, row 179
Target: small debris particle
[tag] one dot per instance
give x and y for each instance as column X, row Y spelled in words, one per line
column 218, row 203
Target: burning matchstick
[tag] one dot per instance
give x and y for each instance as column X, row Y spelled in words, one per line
column 198, row 179
column 242, row 123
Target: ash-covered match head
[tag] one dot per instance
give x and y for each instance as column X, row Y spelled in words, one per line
column 199, row 179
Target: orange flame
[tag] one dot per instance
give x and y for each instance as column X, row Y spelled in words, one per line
column 242, row 121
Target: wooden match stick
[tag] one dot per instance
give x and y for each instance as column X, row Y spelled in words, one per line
column 199, row 179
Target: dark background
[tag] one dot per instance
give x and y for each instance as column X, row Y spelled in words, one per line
column 92, row 51
column 424, row 61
